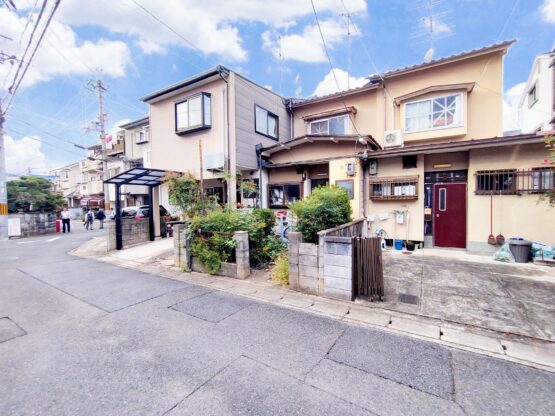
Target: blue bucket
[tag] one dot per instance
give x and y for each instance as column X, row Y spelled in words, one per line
column 398, row 244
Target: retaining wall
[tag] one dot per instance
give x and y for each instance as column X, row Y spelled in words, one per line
column 35, row 223
column 134, row 231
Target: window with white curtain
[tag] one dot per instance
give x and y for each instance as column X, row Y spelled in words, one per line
column 434, row 113
column 265, row 123
column 332, row 125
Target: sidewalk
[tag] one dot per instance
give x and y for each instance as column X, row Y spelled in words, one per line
column 157, row 258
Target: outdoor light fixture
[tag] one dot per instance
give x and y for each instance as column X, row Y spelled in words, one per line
column 362, row 140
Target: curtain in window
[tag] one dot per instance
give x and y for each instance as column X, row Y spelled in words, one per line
column 338, row 125
column 417, row 116
column 195, row 111
column 272, row 126
column 319, row 127
column 182, row 115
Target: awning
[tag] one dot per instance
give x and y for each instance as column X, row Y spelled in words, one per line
column 91, row 202
column 138, row 176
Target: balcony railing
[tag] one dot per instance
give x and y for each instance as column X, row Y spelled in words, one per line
column 116, row 149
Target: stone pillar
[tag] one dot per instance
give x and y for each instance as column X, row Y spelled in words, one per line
column 242, row 260
column 156, row 212
column 178, row 246
column 338, row 267
column 320, row 286
column 295, row 239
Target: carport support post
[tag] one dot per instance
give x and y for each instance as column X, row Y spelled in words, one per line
column 151, row 214
column 119, row 239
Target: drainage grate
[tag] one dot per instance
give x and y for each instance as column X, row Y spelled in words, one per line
column 410, row 299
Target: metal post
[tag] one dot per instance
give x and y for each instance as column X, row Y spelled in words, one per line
column 3, row 188
column 119, row 236
column 151, row 214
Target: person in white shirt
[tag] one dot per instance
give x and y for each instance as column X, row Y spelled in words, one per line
column 65, row 220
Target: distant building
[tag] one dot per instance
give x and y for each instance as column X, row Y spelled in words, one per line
column 537, row 104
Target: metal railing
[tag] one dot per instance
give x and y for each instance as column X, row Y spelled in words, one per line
column 397, row 188
column 514, row 181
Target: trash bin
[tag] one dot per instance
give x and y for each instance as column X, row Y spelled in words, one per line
column 520, row 249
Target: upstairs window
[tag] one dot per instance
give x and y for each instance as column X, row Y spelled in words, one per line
column 532, row 96
column 329, row 126
column 266, row 123
column 141, row 136
column 433, row 113
column 193, row 113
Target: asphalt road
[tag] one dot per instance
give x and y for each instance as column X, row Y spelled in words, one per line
column 79, row 337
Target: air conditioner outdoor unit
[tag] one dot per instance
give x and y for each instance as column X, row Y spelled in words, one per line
column 213, row 161
column 392, row 138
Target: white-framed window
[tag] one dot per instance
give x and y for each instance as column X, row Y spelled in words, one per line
column 434, row 113
column 193, row 113
column 266, row 123
column 141, row 136
column 332, row 125
column 532, row 95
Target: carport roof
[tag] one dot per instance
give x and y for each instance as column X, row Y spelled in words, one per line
column 138, row 176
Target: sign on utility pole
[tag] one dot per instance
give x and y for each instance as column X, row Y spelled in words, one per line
column 100, row 89
column 3, row 187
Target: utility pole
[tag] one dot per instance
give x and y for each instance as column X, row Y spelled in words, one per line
column 100, row 89
column 348, row 19
column 3, row 189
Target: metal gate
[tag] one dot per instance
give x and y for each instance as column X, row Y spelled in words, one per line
column 367, row 268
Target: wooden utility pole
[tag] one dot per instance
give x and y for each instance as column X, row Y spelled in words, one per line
column 100, row 89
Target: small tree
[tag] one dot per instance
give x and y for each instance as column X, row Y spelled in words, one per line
column 33, row 193
column 184, row 192
column 550, row 143
column 326, row 207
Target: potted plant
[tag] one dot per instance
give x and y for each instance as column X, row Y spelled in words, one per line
column 410, row 245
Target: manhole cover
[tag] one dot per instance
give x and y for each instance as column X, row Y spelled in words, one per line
column 410, row 299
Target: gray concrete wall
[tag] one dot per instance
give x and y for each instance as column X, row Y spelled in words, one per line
column 238, row 270
column 337, row 270
column 35, row 223
column 134, row 231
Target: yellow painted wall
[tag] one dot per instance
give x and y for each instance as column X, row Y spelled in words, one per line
column 365, row 119
column 338, row 171
column 484, row 104
column 514, row 216
column 414, row 228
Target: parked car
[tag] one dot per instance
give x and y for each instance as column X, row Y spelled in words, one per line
column 140, row 211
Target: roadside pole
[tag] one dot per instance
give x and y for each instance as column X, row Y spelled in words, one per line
column 3, row 187
column 100, row 88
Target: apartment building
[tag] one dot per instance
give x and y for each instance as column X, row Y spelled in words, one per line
column 422, row 154
column 67, row 181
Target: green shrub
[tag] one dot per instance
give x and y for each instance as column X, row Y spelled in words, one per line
column 210, row 259
column 326, row 207
column 280, row 271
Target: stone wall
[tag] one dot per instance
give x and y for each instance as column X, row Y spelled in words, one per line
column 134, row 231
column 324, row 269
column 35, row 223
column 239, row 270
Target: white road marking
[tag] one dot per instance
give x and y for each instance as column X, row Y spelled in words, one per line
column 53, row 239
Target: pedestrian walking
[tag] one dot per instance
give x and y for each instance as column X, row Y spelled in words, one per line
column 100, row 216
column 65, row 220
column 89, row 218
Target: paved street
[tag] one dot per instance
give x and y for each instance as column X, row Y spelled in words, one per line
column 80, row 337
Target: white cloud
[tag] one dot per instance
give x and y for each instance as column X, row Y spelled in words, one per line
column 24, row 154
column 511, row 101
column 307, row 45
column 547, row 11
column 112, row 57
column 329, row 86
column 438, row 26
column 298, row 88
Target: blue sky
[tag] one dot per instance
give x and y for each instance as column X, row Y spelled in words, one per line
column 138, row 55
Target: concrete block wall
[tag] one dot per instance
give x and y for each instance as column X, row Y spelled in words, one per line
column 35, row 223
column 337, row 261
column 239, row 270
column 134, row 231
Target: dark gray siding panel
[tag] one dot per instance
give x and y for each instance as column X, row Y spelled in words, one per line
column 247, row 95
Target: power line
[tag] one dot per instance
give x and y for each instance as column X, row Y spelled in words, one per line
column 44, row 142
column 332, row 70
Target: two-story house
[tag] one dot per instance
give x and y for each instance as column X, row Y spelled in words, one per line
column 210, row 125
column 67, row 181
column 442, row 173
column 537, row 104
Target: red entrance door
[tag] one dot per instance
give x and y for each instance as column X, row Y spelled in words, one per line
column 449, row 215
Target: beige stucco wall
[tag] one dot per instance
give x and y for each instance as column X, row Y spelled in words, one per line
column 315, row 150
column 484, row 104
column 513, row 216
column 457, row 160
column 338, row 172
column 284, row 175
column 170, row 151
column 365, row 119
column 413, row 229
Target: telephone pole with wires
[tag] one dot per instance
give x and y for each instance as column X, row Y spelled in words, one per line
column 100, row 88
column 3, row 187
column 347, row 17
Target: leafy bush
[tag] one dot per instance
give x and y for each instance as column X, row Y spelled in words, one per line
column 326, row 207
column 212, row 236
column 280, row 271
column 33, row 193
column 184, row 192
